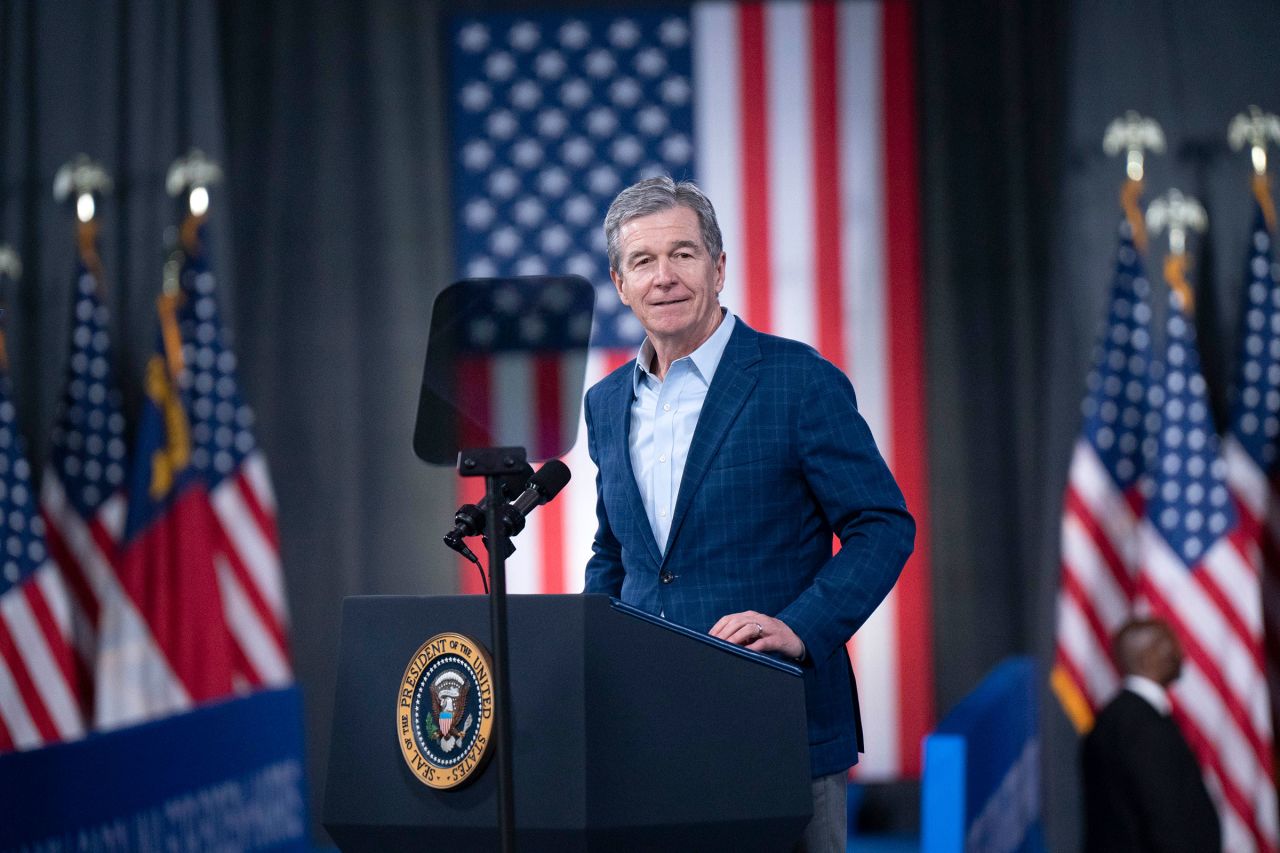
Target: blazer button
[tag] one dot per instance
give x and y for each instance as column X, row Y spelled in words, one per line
column 666, row 576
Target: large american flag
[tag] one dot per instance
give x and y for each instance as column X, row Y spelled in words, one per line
column 1250, row 447
column 39, row 698
column 82, row 491
column 1199, row 572
column 1103, row 499
column 797, row 119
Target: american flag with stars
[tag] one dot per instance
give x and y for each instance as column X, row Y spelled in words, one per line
column 227, row 457
column 39, row 697
column 1199, row 572
column 82, row 491
column 1250, row 446
column 1103, row 499
column 797, row 119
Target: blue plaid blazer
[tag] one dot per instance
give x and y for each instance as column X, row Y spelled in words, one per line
column 780, row 460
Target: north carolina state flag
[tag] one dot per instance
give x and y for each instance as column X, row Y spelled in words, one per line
column 168, row 646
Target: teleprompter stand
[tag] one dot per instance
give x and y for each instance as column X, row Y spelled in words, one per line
column 493, row 463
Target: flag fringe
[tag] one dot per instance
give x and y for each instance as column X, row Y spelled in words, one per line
column 1072, row 700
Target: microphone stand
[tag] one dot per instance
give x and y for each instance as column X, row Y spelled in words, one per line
column 493, row 463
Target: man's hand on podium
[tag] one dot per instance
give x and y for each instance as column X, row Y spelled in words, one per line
column 759, row 633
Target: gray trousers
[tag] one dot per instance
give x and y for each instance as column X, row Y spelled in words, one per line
column 828, row 831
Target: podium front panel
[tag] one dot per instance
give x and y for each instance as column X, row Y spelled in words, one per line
column 628, row 734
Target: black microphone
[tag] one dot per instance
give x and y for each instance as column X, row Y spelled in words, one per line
column 469, row 519
column 543, row 486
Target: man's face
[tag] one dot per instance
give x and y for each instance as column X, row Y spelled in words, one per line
column 667, row 277
column 1166, row 658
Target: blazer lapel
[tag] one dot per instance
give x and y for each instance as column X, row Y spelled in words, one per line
column 729, row 390
column 618, row 409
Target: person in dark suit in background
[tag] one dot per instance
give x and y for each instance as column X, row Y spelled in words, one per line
column 1143, row 790
column 727, row 460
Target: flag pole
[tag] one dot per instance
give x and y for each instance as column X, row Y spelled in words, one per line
column 1132, row 135
column 1083, row 674
column 191, row 176
column 10, row 273
column 1255, row 129
column 85, row 181
column 1180, row 214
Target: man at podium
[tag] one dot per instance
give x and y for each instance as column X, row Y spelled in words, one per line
column 727, row 459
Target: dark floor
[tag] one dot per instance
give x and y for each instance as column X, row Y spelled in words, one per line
column 886, row 843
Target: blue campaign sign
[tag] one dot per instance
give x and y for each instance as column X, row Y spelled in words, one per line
column 981, row 787
column 226, row 776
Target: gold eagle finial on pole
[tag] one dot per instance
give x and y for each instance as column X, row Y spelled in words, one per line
column 193, row 175
column 85, row 181
column 1179, row 214
column 83, row 178
column 1133, row 135
column 1255, row 129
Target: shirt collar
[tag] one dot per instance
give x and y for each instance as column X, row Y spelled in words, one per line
column 705, row 358
column 1155, row 695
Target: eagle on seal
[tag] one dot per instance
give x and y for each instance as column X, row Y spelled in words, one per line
column 448, row 702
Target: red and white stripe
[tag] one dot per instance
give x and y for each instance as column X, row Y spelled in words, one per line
column 552, row 550
column 1257, row 598
column 110, row 632
column 1221, row 699
column 84, row 551
column 38, row 701
column 166, row 645
column 1099, row 559
column 1258, row 505
column 805, row 144
column 1114, row 566
column 249, row 574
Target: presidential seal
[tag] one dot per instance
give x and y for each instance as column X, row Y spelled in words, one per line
column 444, row 714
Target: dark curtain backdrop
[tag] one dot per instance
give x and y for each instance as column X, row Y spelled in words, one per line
column 332, row 238
column 340, row 218
column 993, row 108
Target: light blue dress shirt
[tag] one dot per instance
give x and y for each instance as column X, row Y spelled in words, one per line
column 664, row 414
